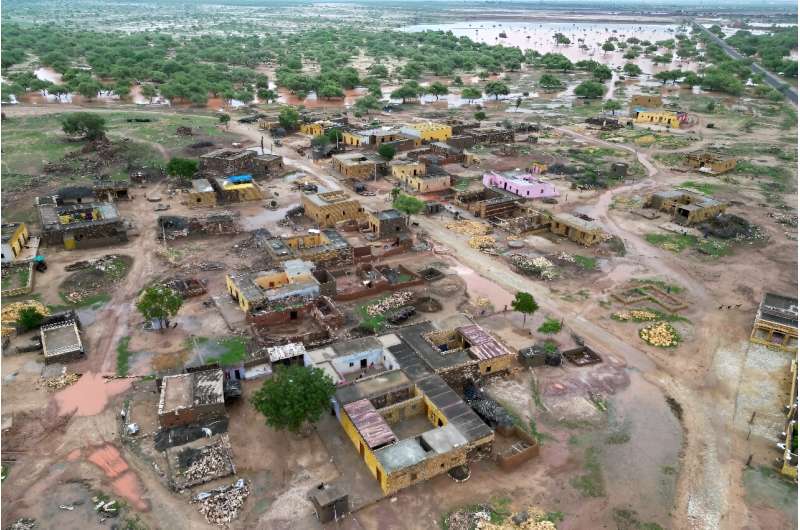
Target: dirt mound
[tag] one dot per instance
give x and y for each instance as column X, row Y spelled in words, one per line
column 94, row 277
column 729, row 226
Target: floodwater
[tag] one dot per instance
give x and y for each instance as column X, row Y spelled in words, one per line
column 124, row 481
column 261, row 217
column 539, row 36
column 480, row 287
column 90, row 395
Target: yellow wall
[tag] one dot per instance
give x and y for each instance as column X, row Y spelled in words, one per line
column 18, row 239
column 272, row 280
column 234, row 291
column 408, row 170
column 659, row 118
column 369, row 457
column 314, row 129
column 425, row 185
column 434, row 414
column 433, row 132
column 350, row 139
column 305, row 241
column 495, row 364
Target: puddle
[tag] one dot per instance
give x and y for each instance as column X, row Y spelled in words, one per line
column 124, row 482
column 253, row 221
column 480, row 287
column 90, row 395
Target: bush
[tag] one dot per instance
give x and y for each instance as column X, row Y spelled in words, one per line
column 89, row 125
column 480, row 115
column 182, row 167
column 29, row 318
column 550, row 326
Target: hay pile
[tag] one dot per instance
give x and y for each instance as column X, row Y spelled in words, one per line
column 469, row 228
column 10, row 313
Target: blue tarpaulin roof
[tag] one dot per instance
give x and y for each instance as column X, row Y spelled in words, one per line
column 240, row 179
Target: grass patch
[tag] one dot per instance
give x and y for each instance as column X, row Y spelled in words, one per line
column 586, row 262
column 671, row 242
column 666, row 286
column 629, row 520
column 95, row 301
column 462, row 184
column 703, row 187
column 592, row 483
column 123, row 356
column 231, row 350
column 550, row 326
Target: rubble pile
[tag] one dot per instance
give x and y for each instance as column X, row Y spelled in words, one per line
column 729, row 226
column 788, row 219
column 23, row 524
column 565, row 257
column 540, row 266
column 482, row 242
column 390, row 303
column 202, row 465
column 469, row 228
column 61, row 381
column 637, row 315
column 222, row 505
column 660, row 334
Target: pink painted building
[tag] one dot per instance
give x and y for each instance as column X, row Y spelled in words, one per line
column 525, row 185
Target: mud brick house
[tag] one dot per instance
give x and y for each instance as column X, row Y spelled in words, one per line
column 84, row 225
column 293, row 280
column 14, row 237
column 329, row 208
column 111, row 190
column 202, row 194
column 61, row 338
column 524, row 184
column 776, row 323
column 428, row 131
column 576, row 229
column 646, row 101
column 226, row 162
column 372, row 137
column 686, row 207
column 322, row 247
column 449, row 153
column 402, row 169
column 712, row 163
column 432, row 179
column 488, row 202
column 491, row 135
column 387, row 223
column 237, row 188
column 359, row 165
column 75, row 195
column 661, row 117
column 191, row 398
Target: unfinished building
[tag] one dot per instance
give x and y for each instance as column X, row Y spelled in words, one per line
column 431, row 180
column 776, row 323
column 191, row 398
column 686, row 207
column 78, row 226
column 328, row 208
column 359, row 165
column 404, row 168
column 576, row 229
column 14, row 238
column 61, row 338
column 711, row 163
column 648, row 101
column 226, row 162
column 202, row 194
column 325, row 248
column 217, row 223
column 488, row 202
column 106, row 190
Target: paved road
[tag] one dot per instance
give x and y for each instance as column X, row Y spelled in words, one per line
column 771, row 79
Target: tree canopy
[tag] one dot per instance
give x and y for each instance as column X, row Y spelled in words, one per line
column 386, row 151
column 293, row 396
column 471, row 93
column 496, row 89
column 632, row 69
column 288, row 118
column 437, row 89
column 29, row 318
column 408, row 204
column 590, row 90
column 87, row 124
column 184, row 168
column 159, row 302
column 524, row 303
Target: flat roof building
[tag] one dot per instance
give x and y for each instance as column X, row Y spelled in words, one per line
column 776, row 323
column 192, row 398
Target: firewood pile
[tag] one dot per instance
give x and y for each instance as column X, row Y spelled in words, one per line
column 61, row 381
column 204, row 464
column 395, row 301
column 220, row 506
column 469, row 228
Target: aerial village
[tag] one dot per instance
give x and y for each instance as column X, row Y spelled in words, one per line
column 455, row 305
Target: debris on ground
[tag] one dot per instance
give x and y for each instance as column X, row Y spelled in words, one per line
column 105, row 507
column 390, row 303
column 10, row 313
column 565, row 257
column 729, row 226
column 469, row 228
column 482, row 242
column 61, row 381
column 660, row 334
column 636, row 315
column 197, row 466
column 539, row 266
column 22, row 524
column 222, row 505
column 788, row 219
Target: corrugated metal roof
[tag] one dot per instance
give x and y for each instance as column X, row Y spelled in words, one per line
column 370, row 425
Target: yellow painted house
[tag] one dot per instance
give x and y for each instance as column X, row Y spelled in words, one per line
column 429, row 131
column 15, row 235
column 658, row 117
column 314, row 129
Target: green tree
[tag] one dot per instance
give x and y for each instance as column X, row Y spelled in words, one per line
column 496, row 89
column 159, row 302
column 122, row 88
column 608, row 47
column 184, row 168
column 149, row 92
column 550, row 82
column 524, row 303
column 330, row 90
column 320, row 139
column 632, row 69
column 288, row 118
column 29, row 318
column 409, row 90
column 437, row 89
column 378, row 70
column 480, row 115
column 457, row 81
column 266, row 94
column 560, row 38
column 386, row 151
column 293, row 396
column 89, row 88
column 367, row 103
column 602, row 72
column 590, row 90
column 613, row 105
column 395, row 192
column 87, row 124
column 408, row 204
column 225, row 119
column 471, row 93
